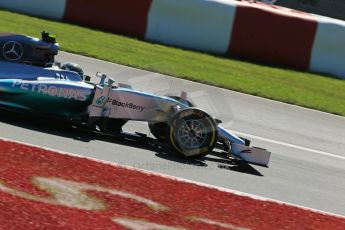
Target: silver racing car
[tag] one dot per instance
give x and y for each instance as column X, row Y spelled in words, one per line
column 30, row 82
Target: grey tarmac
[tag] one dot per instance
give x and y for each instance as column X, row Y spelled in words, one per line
column 307, row 166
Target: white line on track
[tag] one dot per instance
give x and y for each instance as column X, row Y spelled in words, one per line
column 255, row 197
column 290, row 145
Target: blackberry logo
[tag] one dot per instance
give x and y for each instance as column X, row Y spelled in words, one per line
column 128, row 105
column 12, row 51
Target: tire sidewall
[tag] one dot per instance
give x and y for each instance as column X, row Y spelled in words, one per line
column 208, row 123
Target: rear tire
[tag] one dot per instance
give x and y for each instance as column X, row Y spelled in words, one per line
column 192, row 133
column 111, row 125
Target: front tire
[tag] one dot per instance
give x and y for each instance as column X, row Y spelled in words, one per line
column 192, row 133
column 159, row 130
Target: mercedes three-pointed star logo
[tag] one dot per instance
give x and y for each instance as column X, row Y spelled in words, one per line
column 12, row 51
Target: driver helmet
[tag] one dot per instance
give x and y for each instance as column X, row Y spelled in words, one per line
column 73, row 67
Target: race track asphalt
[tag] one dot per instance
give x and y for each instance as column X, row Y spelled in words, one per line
column 308, row 147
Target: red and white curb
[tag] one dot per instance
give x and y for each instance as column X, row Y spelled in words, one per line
column 50, row 188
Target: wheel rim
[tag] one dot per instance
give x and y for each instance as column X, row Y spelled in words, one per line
column 192, row 134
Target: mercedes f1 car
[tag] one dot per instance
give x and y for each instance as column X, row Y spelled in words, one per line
column 31, row 82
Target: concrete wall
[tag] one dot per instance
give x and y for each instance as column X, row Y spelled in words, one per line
column 255, row 31
column 329, row 8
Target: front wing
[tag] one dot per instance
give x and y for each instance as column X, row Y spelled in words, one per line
column 237, row 147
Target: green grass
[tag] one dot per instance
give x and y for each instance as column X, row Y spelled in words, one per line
column 294, row 87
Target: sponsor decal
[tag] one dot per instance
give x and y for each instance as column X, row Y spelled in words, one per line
column 51, row 90
column 12, row 51
column 42, row 189
column 128, row 105
column 100, row 100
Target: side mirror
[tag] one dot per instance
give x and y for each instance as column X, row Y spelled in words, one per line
column 87, row 78
column 99, row 74
column 110, row 82
column 102, row 76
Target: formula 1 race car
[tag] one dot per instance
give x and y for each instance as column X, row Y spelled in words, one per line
column 30, row 82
